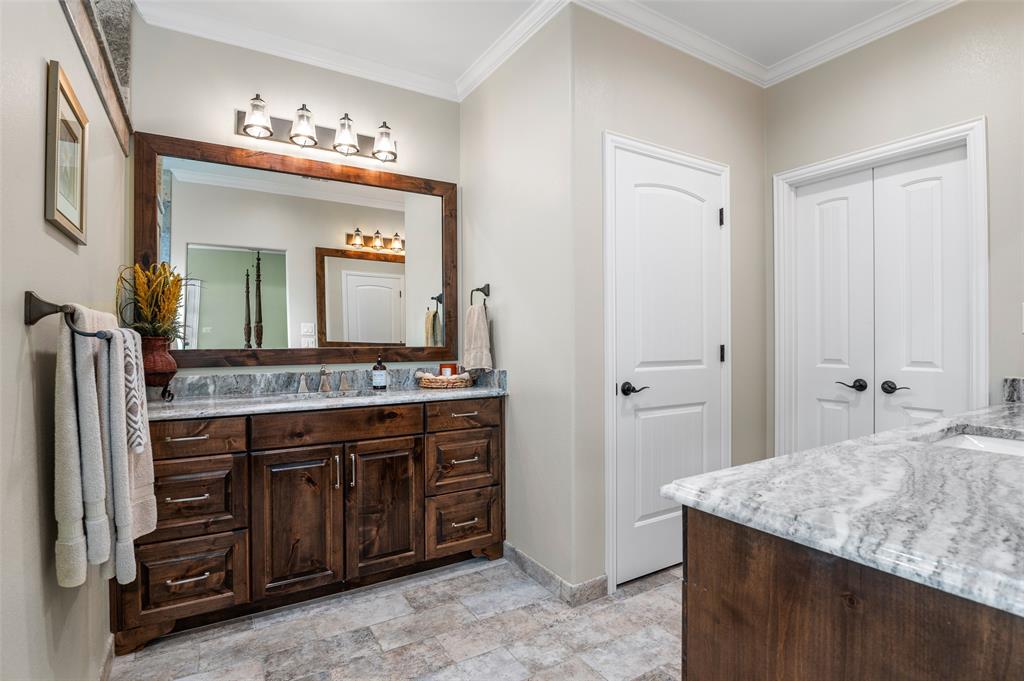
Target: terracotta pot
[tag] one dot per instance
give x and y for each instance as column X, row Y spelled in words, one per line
column 157, row 362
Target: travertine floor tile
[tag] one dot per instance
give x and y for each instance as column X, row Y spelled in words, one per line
column 420, row 625
column 475, row 621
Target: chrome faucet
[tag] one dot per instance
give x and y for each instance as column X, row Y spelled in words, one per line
column 325, row 383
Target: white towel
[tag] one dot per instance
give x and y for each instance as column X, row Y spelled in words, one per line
column 83, row 528
column 477, row 350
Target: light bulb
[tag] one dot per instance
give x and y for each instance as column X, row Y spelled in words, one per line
column 257, row 121
column 346, row 141
column 384, row 149
column 303, row 128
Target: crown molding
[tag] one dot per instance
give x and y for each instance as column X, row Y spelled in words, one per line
column 670, row 32
column 868, row 31
column 629, row 13
column 315, row 190
column 514, row 37
column 166, row 15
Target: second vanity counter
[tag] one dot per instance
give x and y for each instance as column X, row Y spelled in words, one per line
column 899, row 501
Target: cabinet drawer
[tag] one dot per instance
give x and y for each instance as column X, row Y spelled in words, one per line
column 201, row 495
column 272, row 431
column 462, row 521
column 463, row 414
column 186, row 577
column 461, row 460
column 197, row 437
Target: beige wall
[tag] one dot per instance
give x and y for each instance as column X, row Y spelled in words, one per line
column 516, row 230
column 47, row 632
column 647, row 90
column 962, row 63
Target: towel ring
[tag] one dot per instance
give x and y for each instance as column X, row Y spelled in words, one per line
column 485, row 289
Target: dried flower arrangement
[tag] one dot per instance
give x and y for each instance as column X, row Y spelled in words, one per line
column 149, row 299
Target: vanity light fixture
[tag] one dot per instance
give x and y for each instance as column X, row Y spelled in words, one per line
column 357, row 239
column 303, row 128
column 383, row 146
column 396, row 243
column 257, row 121
column 346, row 141
column 378, row 241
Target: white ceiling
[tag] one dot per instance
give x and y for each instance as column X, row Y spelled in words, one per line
column 446, row 48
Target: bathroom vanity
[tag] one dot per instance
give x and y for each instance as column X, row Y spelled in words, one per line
column 893, row 556
column 276, row 499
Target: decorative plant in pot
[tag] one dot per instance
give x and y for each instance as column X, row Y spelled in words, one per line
column 149, row 301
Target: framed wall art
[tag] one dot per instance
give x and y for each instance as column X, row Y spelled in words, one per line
column 67, row 133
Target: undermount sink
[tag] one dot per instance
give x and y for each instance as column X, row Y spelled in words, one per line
column 984, row 443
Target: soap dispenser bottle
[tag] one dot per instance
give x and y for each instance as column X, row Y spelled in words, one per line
column 380, row 374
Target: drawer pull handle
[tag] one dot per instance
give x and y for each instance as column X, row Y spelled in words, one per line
column 185, row 500
column 191, row 438
column 467, row 414
column 455, row 462
column 352, row 456
column 187, row 580
column 468, row 522
column 337, row 471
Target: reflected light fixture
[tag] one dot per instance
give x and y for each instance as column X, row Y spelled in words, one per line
column 378, row 241
column 383, row 146
column 346, row 141
column 357, row 239
column 303, row 128
column 396, row 243
column 257, row 120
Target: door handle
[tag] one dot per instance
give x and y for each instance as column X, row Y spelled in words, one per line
column 628, row 388
column 185, row 500
column 187, row 580
column 860, row 385
column 352, row 482
column 888, row 387
column 190, row 438
column 337, row 471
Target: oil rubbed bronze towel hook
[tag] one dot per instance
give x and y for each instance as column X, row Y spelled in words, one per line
column 36, row 308
column 485, row 289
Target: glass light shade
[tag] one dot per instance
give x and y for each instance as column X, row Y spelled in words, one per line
column 257, row 120
column 357, row 239
column 396, row 243
column 303, row 128
column 378, row 240
column 383, row 145
column 346, row 141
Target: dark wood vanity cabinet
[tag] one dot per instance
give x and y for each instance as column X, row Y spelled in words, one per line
column 259, row 511
column 297, row 507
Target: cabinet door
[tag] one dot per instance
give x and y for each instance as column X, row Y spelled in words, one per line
column 296, row 519
column 384, row 505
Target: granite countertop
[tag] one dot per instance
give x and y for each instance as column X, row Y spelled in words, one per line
column 949, row 518
column 228, row 405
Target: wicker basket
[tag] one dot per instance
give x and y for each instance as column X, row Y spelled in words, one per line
column 441, row 382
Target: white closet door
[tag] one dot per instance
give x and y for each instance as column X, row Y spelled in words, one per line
column 835, row 315
column 921, row 292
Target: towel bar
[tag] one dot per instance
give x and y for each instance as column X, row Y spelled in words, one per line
column 36, row 308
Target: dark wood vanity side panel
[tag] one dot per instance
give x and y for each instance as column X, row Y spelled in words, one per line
column 297, row 429
column 760, row 607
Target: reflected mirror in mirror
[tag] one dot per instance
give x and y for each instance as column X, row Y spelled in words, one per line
column 340, row 264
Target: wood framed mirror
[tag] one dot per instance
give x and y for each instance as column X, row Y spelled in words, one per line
column 217, row 212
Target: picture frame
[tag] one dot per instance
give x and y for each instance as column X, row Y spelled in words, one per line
column 67, row 135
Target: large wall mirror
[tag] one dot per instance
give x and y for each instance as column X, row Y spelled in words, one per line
column 294, row 261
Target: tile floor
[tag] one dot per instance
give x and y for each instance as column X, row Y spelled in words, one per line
column 472, row 621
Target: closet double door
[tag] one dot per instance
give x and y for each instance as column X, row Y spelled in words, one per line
column 882, row 298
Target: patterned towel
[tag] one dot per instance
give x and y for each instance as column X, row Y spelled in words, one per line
column 134, row 393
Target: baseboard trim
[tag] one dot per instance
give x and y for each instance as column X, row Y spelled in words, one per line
column 572, row 594
column 108, row 660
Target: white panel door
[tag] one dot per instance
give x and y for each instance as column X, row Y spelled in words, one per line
column 835, row 311
column 373, row 307
column 921, row 292
column 668, row 307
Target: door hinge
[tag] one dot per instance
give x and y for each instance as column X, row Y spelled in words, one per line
column 721, row 217
column 721, row 353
